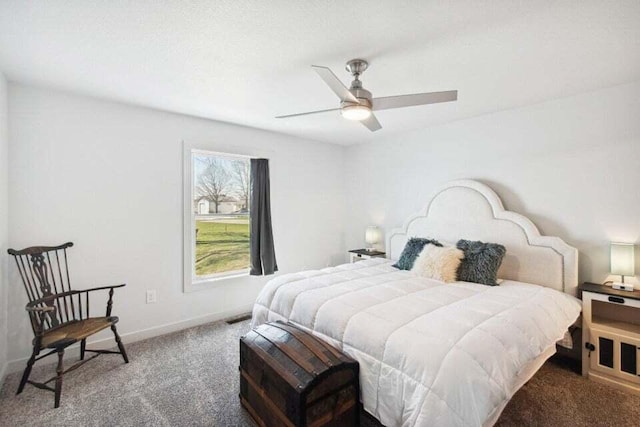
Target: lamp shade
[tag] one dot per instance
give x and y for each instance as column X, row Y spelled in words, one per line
column 623, row 259
column 372, row 235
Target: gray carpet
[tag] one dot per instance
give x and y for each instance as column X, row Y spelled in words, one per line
column 185, row 378
column 191, row 378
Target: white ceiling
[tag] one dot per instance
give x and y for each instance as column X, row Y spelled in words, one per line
column 248, row 61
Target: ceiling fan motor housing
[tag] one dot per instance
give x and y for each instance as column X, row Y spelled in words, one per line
column 363, row 96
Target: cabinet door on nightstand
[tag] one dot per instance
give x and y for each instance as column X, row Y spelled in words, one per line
column 615, row 355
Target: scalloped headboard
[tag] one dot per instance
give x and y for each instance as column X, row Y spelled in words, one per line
column 468, row 209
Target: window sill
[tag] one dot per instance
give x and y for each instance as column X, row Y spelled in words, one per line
column 215, row 280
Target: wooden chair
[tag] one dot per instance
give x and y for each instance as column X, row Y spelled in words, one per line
column 59, row 315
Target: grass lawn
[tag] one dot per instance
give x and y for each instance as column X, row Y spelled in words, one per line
column 222, row 246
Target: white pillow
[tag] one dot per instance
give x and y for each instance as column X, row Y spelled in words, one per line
column 439, row 263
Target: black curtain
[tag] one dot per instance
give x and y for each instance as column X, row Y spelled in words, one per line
column 263, row 255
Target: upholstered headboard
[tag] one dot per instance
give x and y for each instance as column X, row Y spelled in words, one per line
column 468, row 209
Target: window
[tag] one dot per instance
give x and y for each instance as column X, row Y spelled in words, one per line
column 217, row 221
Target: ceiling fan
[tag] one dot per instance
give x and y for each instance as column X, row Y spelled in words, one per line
column 357, row 103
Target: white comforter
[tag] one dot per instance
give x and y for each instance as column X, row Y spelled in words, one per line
column 430, row 354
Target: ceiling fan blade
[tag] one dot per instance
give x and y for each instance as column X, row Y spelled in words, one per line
column 306, row 114
column 372, row 123
column 388, row 102
column 334, row 84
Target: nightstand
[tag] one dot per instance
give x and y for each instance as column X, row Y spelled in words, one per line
column 611, row 336
column 356, row 255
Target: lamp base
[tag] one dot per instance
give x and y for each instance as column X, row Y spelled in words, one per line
column 622, row 286
column 370, row 249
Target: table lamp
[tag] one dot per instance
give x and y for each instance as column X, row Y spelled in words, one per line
column 372, row 236
column 622, row 263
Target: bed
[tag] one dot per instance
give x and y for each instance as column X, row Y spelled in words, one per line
column 432, row 353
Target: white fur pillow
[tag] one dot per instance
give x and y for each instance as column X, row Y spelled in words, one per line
column 439, row 263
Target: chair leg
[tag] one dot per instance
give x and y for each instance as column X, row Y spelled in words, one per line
column 83, row 345
column 59, row 372
column 120, row 345
column 27, row 371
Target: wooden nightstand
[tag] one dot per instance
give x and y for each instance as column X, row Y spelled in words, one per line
column 356, row 255
column 611, row 336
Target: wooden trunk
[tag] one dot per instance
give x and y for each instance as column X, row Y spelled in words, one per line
column 291, row 378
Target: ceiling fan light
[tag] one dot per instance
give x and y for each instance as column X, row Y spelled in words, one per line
column 356, row 112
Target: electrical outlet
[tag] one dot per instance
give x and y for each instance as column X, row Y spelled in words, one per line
column 152, row 296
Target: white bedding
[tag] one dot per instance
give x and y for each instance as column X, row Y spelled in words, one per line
column 430, row 353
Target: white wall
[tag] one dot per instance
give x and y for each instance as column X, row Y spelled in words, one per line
column 571, row 165
column 86, row 171
column 4, row 222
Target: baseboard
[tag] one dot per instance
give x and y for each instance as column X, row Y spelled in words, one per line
column 3, row 372
column 17, row 365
